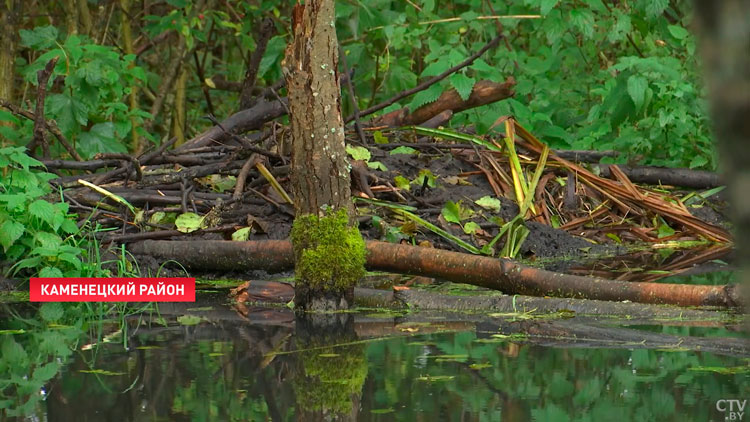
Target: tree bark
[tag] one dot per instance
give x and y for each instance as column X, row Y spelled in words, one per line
column 725, row 28
column 329, row 251
column 9, row 12
column 498, row 274
column 320, row 173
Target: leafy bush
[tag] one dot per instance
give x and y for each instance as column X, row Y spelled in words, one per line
column 591, row 75
column 89, row 109
column 35, row 234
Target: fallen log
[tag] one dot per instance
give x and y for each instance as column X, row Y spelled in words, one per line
column 242, row 121
column 273, row 292
column 484, row 92
column 498, row 274
column 687, row 178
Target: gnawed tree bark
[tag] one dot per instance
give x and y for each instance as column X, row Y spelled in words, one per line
column 329, row 250
column 498, row 274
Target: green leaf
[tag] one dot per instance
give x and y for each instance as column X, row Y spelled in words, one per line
column 10, row 231
column 462, row 84
column 39, row 38
column 50, row 272
column 402, row 182
column 621, row 28
column 471, row 227
column 377, row 165
column 189, row 320
column 655, row 8
column 425, row 175
column 403, row 150
column 583, row 19
column 379, row 137
column 615, row 238
column 546, row 5
column 698, row 161
column 74, row 260
column 42, row 210
column 358, row 153
column 482, row 66
column 678, row 32
column 242, row 234
column 440, row 232
column 489, row 203
column 637, row 90
column 48, row 240
column 451, row 212
column 51, row 311
column 188, row 222
column 69, row 226
column 274, row 53
column 13, row 353
column 100, row 138
column 663, row 230
column 25, row 180
column 435, row 68
column 69, row 112
column 20, row 157
column 92, row 73
column 427, row 96
column 13, row 201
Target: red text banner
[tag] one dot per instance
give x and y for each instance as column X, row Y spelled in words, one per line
column 164, row 289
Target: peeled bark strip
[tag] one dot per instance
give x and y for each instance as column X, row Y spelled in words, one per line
column 512, row 278
column 493, row 273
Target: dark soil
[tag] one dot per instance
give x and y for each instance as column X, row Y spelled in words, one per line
column 274, row 221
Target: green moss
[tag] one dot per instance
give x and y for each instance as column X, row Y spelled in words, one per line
column 330, row 253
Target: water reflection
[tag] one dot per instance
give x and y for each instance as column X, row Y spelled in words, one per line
column 265, row 365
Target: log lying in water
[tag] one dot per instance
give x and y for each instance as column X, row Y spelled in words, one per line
column 498, row 274
column 274, row 292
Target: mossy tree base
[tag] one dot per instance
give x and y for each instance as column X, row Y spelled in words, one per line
column 329, row 260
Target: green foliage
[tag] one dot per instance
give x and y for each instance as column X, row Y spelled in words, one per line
column 30, row 359
column 37, row 236
column 590, row 75
column 89, row 108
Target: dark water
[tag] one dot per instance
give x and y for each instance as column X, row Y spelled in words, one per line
column 264, row 365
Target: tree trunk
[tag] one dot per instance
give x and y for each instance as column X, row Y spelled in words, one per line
column 725, row 30
column 9, row 12
column 329, row 250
